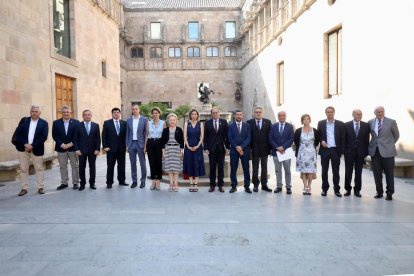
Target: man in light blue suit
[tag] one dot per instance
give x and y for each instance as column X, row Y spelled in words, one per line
column 239, row 136
column 136, row 140
column 281, row 138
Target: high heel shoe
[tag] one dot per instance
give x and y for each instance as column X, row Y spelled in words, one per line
column 170, row 188
column 153, row 185
column 175, row 188
column 157, row 185
column 191, row 189
column 305, row 192
column 195, row 189
column 309, row 191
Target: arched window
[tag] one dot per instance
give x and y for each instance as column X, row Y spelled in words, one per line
column 137, row 52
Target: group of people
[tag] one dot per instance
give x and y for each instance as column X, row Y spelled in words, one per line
column 173, row 150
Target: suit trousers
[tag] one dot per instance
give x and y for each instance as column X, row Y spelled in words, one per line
column 353, row 161
column 24, row 160
column 133, row 151
column 112, row 158
column 330, row 155
column 234, row 164
column 256, row 159
column 91, row 159
column 63, row 158
column 383, row 164
column 279, row 173
column 216, row 161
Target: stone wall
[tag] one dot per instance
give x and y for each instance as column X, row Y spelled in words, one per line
column 28, row 64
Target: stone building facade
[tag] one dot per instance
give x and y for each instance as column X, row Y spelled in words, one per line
column 166, row 50
column 306, row 55
column 57, row 52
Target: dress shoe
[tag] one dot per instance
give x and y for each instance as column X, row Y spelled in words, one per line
column 247, row 190
column 378, row 196
column 255, row 189
column 142, row 185
column 23, row 192
column 123, row 184
column 82, row 187
column 212, row 188
column 338, row 194
column 323, row 193
column 277, row 190
column 267, row 189
column 61, row 187
column 357, row 194
column 41, row 191
column 221, row 189
column 109, row 186
column 348, row 193
column 92, row 186
column 75, row 186
column 233, row 189
column 134, row 184
column 388, row 197
column 289, row 191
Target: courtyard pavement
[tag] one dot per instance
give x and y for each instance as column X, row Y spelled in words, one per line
column 126, row 231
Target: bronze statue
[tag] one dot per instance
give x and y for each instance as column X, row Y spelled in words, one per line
column 204, row 92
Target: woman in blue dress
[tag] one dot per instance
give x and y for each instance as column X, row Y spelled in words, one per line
column 193, row 152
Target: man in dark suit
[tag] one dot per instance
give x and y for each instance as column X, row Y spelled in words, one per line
column 281, row 138
column 332, row 147
column 63, row 132
column 384, row 135
column 215, row 145
column 260, row 146
column 87, row 145
column 113, row 143
column 356, row 149
column 136, row 140
column 31, row 134
column 239, row 135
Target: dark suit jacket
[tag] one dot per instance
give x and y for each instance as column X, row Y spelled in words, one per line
column 260, row 137
column 339, row 136
column 40, row 136
column 216, row 142
column 296, row 139
column 359, row 143
column 243, row 139
column 110, row 138
column 285, row 140
column 60, row 136
column 87, row 143
column 179, row 136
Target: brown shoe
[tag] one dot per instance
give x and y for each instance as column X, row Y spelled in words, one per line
column 23, row 192
column 41, row 191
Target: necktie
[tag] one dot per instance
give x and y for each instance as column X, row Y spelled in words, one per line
column 258, row 124
column 281, row 128
column 117, row 127
column 379, row 126
column 88, row 128
column 356, row 129
column 238, row 128
column 215, row 125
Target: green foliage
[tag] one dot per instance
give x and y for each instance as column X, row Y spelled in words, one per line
column 182, row 110
column 146, row 109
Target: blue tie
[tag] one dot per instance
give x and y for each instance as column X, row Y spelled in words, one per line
column 117, row 127
column 88, row 129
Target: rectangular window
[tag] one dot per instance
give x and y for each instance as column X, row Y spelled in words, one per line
column 155, row 52
column 174, row 52
column 137, row 52
column 193, row 52
column 212, row 52
column 193, row 30
column 104, row 68
column 230, row 51
column 155, row 30
column 280, row 83
column 230, row 29
column 334, row 63
column 61, row 30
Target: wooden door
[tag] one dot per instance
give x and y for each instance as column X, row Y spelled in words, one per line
column 64, row 93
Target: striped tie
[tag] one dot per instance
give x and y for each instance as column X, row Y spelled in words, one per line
column 379, row 126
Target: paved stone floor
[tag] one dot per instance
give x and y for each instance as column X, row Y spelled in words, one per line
column 142, row 232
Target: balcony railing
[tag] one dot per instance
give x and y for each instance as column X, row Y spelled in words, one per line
column 112, row 8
